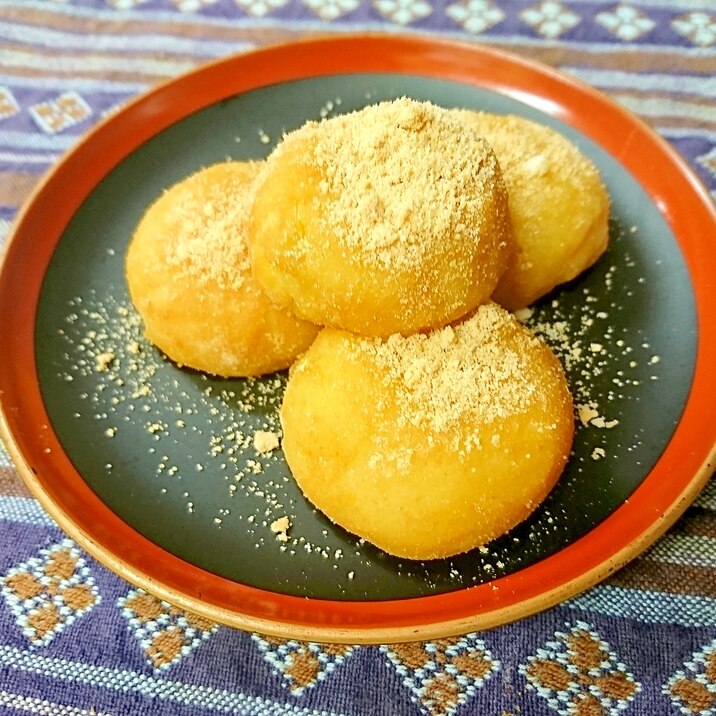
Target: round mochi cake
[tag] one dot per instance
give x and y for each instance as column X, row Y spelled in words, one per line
column 391, row 219
column 558, row 205
column 432, row 444
column 189, row 277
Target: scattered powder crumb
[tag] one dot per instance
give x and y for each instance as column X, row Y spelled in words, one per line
column 103, row 361
column 598, row 453
column 280, row 528
column 134, row 348
column 586, row 414
column 523, row 314
column 590, row 347
column 601, row 422
column 263, row 137
column 351, row 575
column 110, row 432
column 265, row 441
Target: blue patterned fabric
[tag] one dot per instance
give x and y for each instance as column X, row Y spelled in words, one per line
column 75, row 639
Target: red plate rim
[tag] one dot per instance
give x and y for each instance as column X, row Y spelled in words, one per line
column 680, row 473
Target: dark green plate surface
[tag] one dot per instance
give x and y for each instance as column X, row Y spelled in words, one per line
column 163, row 447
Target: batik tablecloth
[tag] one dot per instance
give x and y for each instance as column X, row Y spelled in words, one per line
column 643, row 642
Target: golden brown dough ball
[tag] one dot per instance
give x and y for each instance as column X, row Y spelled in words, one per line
column 391, row 219
column 558, row 205
column 432, row 444
column 189, row 276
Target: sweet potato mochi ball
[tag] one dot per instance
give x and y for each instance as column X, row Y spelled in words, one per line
column 391, row 219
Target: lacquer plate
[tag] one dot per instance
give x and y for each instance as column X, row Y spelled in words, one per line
column 152, row 468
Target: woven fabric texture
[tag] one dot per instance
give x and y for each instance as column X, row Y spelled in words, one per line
column 76, row 639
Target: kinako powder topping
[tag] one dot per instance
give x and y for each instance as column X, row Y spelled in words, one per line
column 401, row 180
column 209, row 213
column 480, row 369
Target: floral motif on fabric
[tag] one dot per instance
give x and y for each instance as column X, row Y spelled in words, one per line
column 693, row 688
column 578, row 674
column 697, row 27
column 60, row 113
column 403, row 12
column 50, row 592
column 301, row 664
column 8, row 103
column 625, row 22
column 165, row 633
column 443, row 674
column 475, row 16
column 549, row 18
